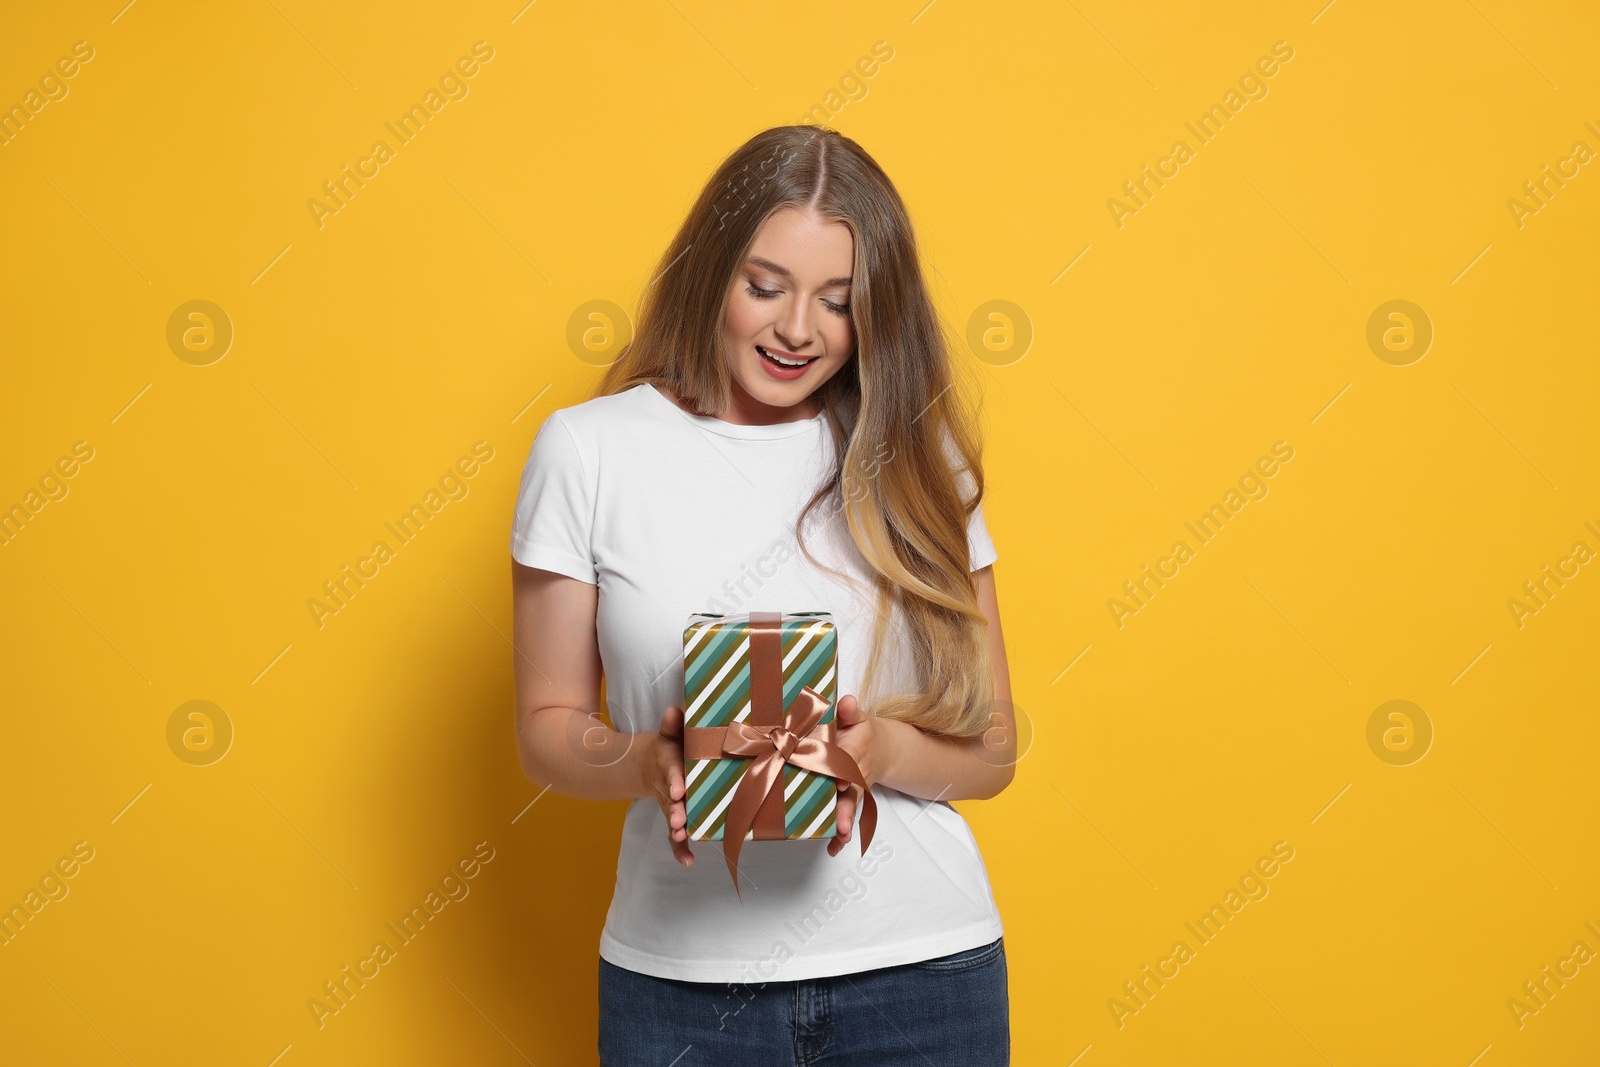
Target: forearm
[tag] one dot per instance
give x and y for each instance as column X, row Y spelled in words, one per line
column 936, row 767
column 576, row 755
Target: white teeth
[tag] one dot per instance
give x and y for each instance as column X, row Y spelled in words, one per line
column 784, row 362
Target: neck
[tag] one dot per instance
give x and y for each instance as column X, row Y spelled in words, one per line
column 746, row 410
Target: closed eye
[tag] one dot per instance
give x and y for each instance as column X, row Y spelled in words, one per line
column 768, row 294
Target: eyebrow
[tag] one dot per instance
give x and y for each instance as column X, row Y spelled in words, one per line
column 786, row 273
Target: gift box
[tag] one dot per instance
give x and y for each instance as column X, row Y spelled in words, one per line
column 760, row 755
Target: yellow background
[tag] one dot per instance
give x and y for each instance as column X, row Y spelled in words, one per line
column 431, row 312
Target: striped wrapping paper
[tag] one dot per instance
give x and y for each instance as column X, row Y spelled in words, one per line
column 716, row 687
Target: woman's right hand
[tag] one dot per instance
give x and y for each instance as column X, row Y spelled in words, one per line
column 663, row 773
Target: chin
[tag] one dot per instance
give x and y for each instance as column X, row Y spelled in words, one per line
column 778, row 394
column 768, row 390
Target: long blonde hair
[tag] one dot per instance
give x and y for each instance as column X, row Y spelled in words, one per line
column 897, row 421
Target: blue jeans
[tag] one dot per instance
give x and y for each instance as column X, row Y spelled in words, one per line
column 952, row 1010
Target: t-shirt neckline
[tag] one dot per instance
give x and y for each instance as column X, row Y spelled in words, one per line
column 757, row 432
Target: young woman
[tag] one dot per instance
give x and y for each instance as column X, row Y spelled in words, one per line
column 781, row 435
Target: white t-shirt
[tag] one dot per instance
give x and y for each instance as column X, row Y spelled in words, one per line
column 670, row 514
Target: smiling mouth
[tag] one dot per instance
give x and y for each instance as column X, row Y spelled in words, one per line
column 785, row 359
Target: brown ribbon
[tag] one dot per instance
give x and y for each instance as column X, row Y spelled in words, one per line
column 773, row 736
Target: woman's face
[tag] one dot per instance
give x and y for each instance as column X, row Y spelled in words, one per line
column 790, row 299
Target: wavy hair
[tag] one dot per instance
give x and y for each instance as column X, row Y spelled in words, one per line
column 905, row 438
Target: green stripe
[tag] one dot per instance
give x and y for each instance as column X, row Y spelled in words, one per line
column 714, row 783
column 809, row 672
column 807, row 803
column 728, row 643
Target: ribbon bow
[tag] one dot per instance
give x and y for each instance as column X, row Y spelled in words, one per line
column 799, row 737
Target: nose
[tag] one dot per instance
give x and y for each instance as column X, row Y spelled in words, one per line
column 794, row 326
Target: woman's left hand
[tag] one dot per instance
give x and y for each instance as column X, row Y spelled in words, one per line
column 870, row 742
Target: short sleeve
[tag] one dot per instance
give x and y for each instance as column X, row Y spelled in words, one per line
column 980, row 546
column 554, row 517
